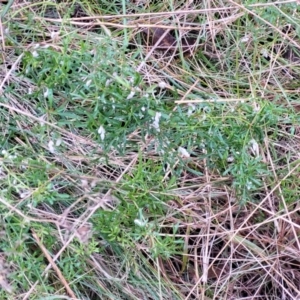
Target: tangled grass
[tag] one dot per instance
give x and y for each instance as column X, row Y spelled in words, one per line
column 132, row 171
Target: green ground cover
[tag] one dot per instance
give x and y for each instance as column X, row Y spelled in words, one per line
column 133, row 171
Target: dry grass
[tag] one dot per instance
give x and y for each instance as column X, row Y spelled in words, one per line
column 133, row 172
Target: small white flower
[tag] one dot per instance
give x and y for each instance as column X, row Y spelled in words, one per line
column 101, row 132
column 51, row 146
column 7, row 155
column 264, row 53
column 54, row 35
column 46, row 93
column 155, row 123
column 108, row 82
column 183, row 152
column 24, row 194
column 131, row 95
column 140, row 223
column 35, row 54
column 4, row 153
column 230, row 159
column 254, row 147
column 249, row 185
column 245, row 39
column 58, row 142
column 87, row 84
column 143, row 108
column 84, row 183
column 162, row 85
column 30, row 91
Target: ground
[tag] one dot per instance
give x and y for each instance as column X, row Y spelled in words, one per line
column 149, row 149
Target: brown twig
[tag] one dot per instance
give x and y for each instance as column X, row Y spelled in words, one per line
column 54, row 266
